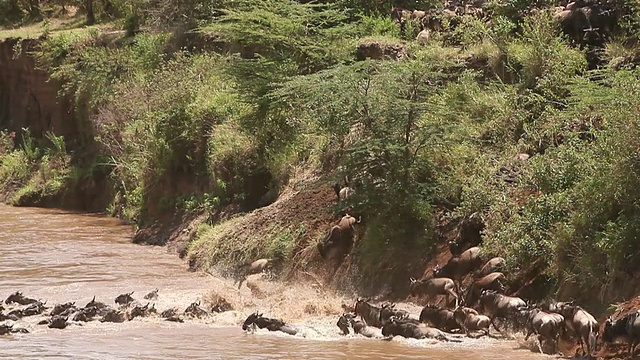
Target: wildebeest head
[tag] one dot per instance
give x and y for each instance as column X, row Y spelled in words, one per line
column 251, row 319
column 58, row 322
column 18, row 298
column 124, row 299
column 152, row 295
column 388, row 310
column 5, row 329
column 139, row 311
column 113, row 316
column 437, row 271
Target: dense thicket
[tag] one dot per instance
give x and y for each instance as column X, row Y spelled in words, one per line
column 440, row 129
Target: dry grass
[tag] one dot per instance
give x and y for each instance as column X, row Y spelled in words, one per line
column 57, row 26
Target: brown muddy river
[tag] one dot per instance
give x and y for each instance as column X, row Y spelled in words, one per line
column 59, row 256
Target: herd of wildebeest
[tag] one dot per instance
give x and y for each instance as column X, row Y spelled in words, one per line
column 585, row 22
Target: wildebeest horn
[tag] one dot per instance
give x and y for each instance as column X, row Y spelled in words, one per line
column 359, row 219
column 131, row 293
column 413, row 280
column 94, row 298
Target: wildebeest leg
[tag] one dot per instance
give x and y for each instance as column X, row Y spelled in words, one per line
column 240, row 283
column 494, row 324
column 540, row 344
column 455, row 296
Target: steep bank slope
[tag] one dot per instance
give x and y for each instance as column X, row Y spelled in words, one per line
column 30, row 100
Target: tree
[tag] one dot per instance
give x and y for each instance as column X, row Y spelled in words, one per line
column 91, row 16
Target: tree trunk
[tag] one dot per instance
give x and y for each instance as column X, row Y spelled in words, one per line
column 91, row 16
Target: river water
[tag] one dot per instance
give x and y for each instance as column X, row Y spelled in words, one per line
column 59, row 256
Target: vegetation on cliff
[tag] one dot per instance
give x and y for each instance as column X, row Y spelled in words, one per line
column 215, row 107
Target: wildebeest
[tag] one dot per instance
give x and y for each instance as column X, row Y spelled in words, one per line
column 152, row 295
column 494, row 281
column 18, row 298
column 388, row 310
column 548, row 326
column 495, row 264
column 60, row 308
column 36, row 308
column 582, row 324
column 469, row 320
column 339, row 236
column 141, row 311
column 434, row 286
column 5, row 329
column 627, row 328
column 348, row 321
column 256, row 319
column 9, row 329
column 249, row 268
column 496, row 305
column 410, row 329
column 194, row 310
column 221, row 305
column 124, row 299
column 114, row 316
column 11, row 317
column 86, row 314
column 440, row 318
column 171, row 315
column 58, row 322
column 459, row 266
column 369, row 313
column 101, row 308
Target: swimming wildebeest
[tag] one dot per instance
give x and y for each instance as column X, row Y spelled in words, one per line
column 194, row 310
column 60, row 308
column 249, row 268
column 124, row 299
column 388, row 310
column 339, row 236
column 496, row 305
column 152, row 295
column 171, row 315
column 58, row 322
column 434, row 286
column 86, row 314
column 100, row 307
column 459, row 266
column 9, row 329
column 141, row 311
column 410, row 329
column 548, row 326
column 36, row 308
column 581, row 323
column 627, row 328
column 440, row 318
column 18, row 298
column 256, row 319
column 348, row 321
column 221, row 305
column 115, row 316
column 369, row 313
